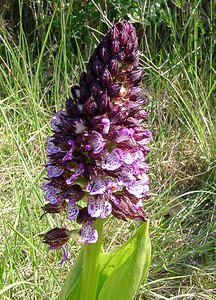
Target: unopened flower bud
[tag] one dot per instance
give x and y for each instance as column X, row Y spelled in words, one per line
column 114, row 33
column 105, row 78
column 114, row 89
column 105, row 55
column 128, row 48
column 115, row 47
column 84, row 93
column 104, row 102
column 113, row 66
column 123, row 37
column 76, row 92
column 97, row 65
column 90, row 107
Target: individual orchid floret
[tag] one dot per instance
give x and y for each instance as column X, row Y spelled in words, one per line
column 97, row 155
column 56, row 237
column 88, row 235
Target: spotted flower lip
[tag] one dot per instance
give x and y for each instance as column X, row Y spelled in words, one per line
column 97, row 155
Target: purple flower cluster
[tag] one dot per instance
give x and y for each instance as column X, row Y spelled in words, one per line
column 97, row 154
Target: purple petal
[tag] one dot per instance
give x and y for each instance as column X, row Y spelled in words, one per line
column 105, row 122
column 97, row 142
column 123, row 37
column 88, row 235
column 79, row 126
column 142, row 166
column 52, row 195
column 113, row 66
column 138, row 189
column 55, row 123
column 133, row 157
column 54, row 171
column 97, row 187
column 113, row 160
column 65, row 254
column 45, row 186
column 94, row 207
column 99, row 207
column 147, row 137
column 105, row 78
column 126, row 176
column 111, row 185
column 52, row 149
column 125, row 134
column 73, row 211
column 144, row 178
column 106, row 209
column 78, row 171
column 114, row 89
column 69, row 154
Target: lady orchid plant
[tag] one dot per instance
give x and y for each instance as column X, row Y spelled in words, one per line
column 97, row 167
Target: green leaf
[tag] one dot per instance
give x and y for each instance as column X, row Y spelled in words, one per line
column 123, row 270
column 71, row 289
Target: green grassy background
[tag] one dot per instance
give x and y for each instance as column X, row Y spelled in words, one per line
column 44, row 47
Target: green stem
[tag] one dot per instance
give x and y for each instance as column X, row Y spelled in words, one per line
column 90, row 274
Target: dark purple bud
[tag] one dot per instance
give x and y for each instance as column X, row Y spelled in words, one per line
column 114, row 88
column 96, row 89
column 132, row 58
column 104, row 102
column 105, row 78
column 113, row 66
column 123, row 37
column 83, row 78
column 133, row 36
column 97, row 65
column 124, row 208
column 135, row 76
column 114, row 47
column 135, row 44
column 74, row 192
column 83, row 216
column 56, row 237
column 69, row 105
column 73, row 108
column 135, row 93
column 90, row 77
column 105, row 55
column 54, row 208
column 120, row 26
column 128, row 48
column 128, row 27
column 58, row 183
column 76, row 92
column 114, row 33
column 141, row 115
column 121, row 56
column 90, row 107
column 118, row 115
column 84, row 94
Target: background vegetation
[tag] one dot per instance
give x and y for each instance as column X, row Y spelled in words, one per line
column 44, row 47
